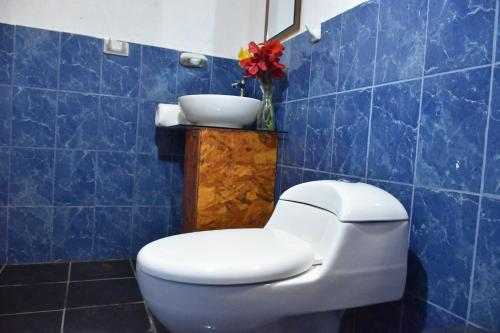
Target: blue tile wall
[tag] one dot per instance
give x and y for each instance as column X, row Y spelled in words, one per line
column 84, row 172
column 72, row 233
column 120, row 75
column 459, row 34
column 357, row 48
column 485, row 302
column 37, row 55
column 409, row 93
column 6, row 53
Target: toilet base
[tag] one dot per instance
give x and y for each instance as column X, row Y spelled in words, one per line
column 322, row 322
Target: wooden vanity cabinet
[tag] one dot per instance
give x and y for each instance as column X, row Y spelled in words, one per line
column 229, row 178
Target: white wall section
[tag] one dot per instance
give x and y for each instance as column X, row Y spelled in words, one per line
column 214, row 27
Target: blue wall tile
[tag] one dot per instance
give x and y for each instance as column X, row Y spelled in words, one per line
column 492, row 168
column 192, row 80
column 420, row 317
column 4, row 175
column 290, row 177
column 401, row 40
column 325, row 59
column 120, row 75
column 5, row 114
column 6, row 52
column 152, row 139
column 3, row 235
column 150, row 224
column 357, row 49
column 33, row 117
column 351, row 133
column 112, row 232
column 310, row 176
column 280, row 86
column 37, row 57
column 453, row 121
column 73, row 233
column 159, row 69
column 485, row 302
column 85, row 113
column 393, row 136
column 319, row 133
column 76, row 125
column 29, row 234
column 448, row 120
column 224, row 72
column 443, row 228
column 174, row 220
column 117, row 123
column 299, row 68
column 31, row 177
column 402, row 192
column 295, row 139
column 459, row 35
column 177, row 180
column 115, row 178
column 74, row 178
column 152, row 180
column 80, row 67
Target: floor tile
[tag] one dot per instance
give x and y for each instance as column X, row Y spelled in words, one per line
column 36, row 273
column 100, row 270
column 104, row 292
column 32, row 298
column 130, row 318
column 43, row 322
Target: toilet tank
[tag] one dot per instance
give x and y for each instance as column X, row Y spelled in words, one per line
column 359, row 234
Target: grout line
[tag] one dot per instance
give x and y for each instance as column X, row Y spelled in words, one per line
column 61, row 282
column 97, row 206
column 370, row 114
column 483, row 170
column 435, row 305
column 28, row 312
column 66, row 298
column 75, row 308
column 30, row 284
column 103, row 279
column 89, row 150
column 397, row 82
column 419, row 119
column 104, row 305
column 308, row 105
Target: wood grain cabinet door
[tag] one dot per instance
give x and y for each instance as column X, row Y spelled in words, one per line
column 228, row 179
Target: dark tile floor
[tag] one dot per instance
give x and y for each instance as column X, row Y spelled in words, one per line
column 80, row 297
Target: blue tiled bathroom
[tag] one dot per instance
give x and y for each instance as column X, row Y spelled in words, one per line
column 359, row 193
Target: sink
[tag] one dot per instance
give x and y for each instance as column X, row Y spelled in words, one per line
column 220, row 110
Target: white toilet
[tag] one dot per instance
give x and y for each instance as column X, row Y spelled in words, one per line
column 328, row 246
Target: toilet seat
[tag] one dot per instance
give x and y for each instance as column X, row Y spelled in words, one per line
column 227, row 257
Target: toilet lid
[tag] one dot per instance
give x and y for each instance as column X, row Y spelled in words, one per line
column 226, row 257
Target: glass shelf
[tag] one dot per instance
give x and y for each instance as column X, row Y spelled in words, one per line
column 186, row 127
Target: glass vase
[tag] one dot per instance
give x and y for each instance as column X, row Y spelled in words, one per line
column 265, row 117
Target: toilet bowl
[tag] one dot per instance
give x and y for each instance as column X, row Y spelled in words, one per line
column 328, row 246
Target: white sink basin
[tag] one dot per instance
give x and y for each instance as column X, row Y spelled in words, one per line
column 220, row 110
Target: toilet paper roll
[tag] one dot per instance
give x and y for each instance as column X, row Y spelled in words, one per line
column 169, row 115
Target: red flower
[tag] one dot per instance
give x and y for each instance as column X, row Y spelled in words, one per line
column 264, row 60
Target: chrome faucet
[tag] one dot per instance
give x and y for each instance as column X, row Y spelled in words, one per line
column 241, row 85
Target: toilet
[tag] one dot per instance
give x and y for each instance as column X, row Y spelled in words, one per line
column 328, row 246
